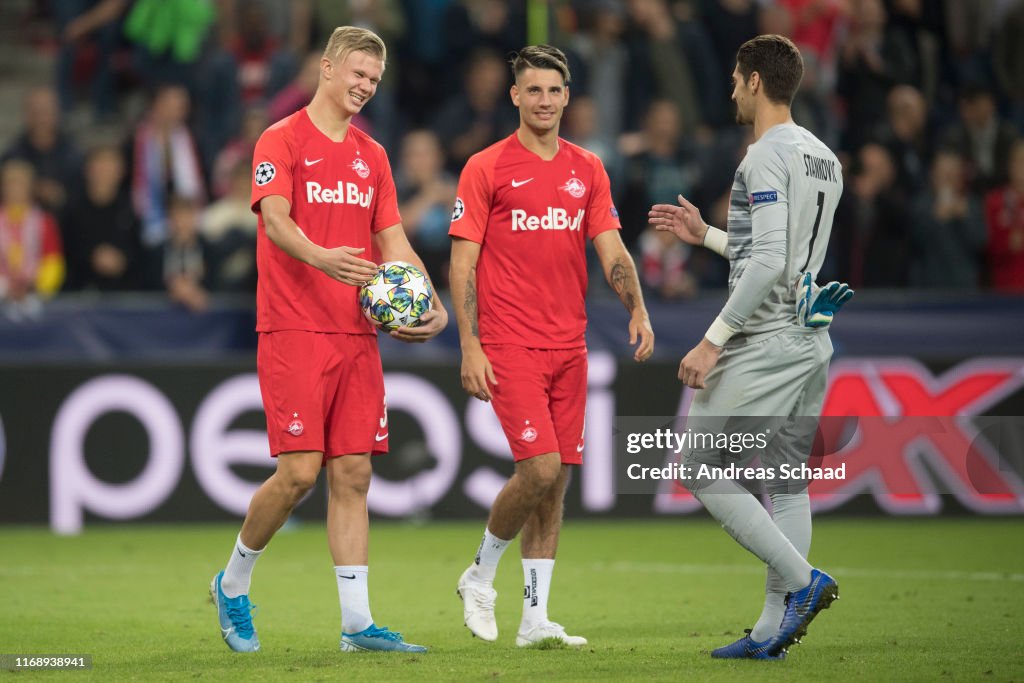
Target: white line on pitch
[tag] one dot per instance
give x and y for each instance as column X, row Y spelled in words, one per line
column 851, row 572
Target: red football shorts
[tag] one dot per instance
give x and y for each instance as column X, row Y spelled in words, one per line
column 540, row 399
column 322, row 392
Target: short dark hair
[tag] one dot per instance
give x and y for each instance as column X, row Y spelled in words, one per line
column 777, row 61
column 540, row 57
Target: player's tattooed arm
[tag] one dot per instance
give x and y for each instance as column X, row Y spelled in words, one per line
column 620, row 272
column 622, row 278
column 470, row 304
column 477, row 373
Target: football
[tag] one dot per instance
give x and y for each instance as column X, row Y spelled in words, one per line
column 397, row 295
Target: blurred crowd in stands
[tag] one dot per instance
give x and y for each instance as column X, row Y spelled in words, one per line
column 922, row 99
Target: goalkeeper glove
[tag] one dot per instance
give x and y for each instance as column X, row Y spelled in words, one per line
column 816, row 306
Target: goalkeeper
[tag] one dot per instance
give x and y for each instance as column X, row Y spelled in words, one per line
column 764, row 360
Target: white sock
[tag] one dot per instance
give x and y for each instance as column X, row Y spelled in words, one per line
column 488, row 556
column 354, row 594
column 537, row 576
column 792, row 514
column 749, row 523
column 238, row 573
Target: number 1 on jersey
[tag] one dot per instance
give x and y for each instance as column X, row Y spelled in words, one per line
column 814, row 231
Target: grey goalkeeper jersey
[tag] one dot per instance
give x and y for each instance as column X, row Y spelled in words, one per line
column 784, row 197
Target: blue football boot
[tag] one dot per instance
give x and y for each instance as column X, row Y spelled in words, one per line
column 746, row 648
column 235, row 615
column 801, row 607
column 377, row 639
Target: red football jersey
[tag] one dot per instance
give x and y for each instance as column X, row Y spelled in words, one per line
column 531, row 218
column 340, row 193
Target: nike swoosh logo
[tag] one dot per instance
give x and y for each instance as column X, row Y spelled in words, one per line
column 225, row 632
column 310, row 163
column 240, row 552
column 380, row 437
column 519, row 183
column 342, row 576
column 579, row 449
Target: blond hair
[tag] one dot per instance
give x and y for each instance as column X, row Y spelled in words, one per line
column 348, row 39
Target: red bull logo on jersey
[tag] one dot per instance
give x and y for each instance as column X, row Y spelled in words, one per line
column 575, row 187
column 344, row 193
column 360, row 167
column 554, row 219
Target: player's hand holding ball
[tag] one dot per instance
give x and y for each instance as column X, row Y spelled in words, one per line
column 399, row 299
column 344, row 265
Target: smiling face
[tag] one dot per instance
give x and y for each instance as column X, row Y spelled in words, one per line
column 352, row 81
column 540, row 95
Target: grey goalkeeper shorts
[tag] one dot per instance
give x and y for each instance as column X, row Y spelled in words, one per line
column 772, row 386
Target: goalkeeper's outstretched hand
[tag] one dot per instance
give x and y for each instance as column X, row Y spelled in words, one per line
column 816, row 306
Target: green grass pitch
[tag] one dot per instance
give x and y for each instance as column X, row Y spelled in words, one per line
column 922, row 600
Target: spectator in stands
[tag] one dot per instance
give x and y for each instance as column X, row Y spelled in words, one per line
column 239, row 149
column 228, row 228
column 947, row 229
column 906, row 135
column 579, row 126
column 982, row 138
column 164, row 163
column 52, row 153
column 426, row 65
column 1004, row 213
column 1008, row 60
column 473, row 25
column 31, row 254
column 817, row 25
column 918, row 24
column 185, row 256
column 664, row 55
column 874, row 58
column 100, row 229
column 170, row 35
column 237, row 75
column 873, row 223
column 716, row 109
column 296, row 94
column 96, row 22
column 657, row 169
column 426, row 195
column 664, row 265
column 600, row 63
column 729, row 24
column 969, row 31
column 477, row 114
column 253, row 51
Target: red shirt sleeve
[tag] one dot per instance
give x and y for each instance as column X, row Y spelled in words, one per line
column 272, row 163
column 602, row 214
column 993, row 209
column 385, row 208
column 52, row 245
column 473, row 201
